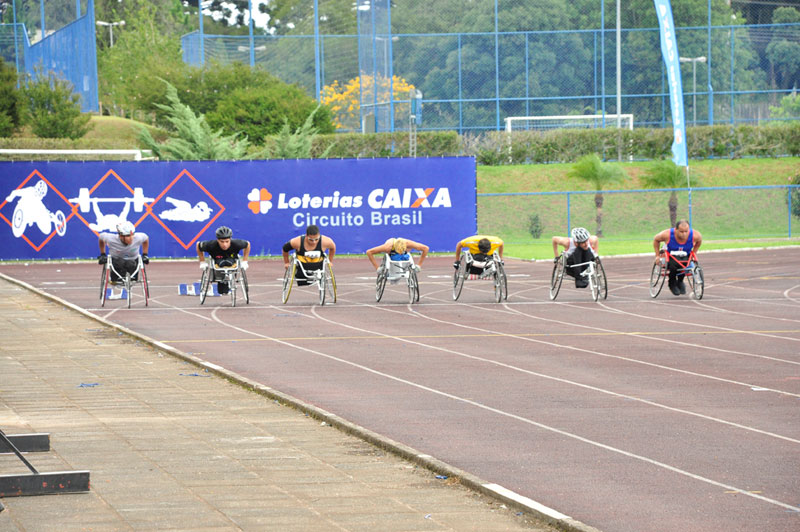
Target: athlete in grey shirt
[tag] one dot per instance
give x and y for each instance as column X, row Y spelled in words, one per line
column 124, row 249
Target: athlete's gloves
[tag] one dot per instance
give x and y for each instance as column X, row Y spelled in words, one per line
column 145, row 258
column 417, row 268
column 243, row 264
column 102, row 259
column 456, row 264
column 203, row 265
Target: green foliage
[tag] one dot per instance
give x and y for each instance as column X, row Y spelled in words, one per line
column 535, row 227
column 794, row 194
column 258, row 112
column 54, row 111
column 788, row 108
column 11, row 104
column 142, row 53
column 297, row 144
column 191, row 137
column 590, row 168
column 666, row 174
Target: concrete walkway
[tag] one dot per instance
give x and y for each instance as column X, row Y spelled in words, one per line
column 174, row 447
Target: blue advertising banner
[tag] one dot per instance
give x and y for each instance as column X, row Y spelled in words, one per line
column 54, row 210
column 669, row 51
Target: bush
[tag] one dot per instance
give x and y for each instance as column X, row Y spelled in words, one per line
column 535, row 227
column 795, row 196
column 11, row 105
column 54, row 110
column 262, row 111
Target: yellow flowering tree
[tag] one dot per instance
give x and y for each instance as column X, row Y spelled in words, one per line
column 343, row 100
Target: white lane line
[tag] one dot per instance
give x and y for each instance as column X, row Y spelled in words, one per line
column 513, row 416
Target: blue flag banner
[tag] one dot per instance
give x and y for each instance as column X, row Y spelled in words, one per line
column 669, row 51
column 54, row 210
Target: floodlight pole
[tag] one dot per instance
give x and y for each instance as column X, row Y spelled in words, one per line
column 694, row 61
column 110, row 29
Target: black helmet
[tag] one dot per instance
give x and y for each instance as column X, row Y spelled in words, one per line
column 224, row 232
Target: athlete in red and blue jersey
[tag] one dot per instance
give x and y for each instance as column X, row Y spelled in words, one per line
column 679, row 241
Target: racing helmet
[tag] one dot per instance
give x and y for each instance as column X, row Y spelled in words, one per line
column 224, row 231
column 579, row 234
column 40, row 189
column 125, row 228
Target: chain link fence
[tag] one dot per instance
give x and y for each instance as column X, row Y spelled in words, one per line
column 481, row 61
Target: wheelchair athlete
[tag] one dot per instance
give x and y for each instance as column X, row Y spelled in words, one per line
column 398, row 250
column 224, row 251
column 580, row 248
column 481, row 247
column 680, row 241
column 310, row 251
column 124, row 250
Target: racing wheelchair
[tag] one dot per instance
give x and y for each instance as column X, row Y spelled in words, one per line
column 395, row 270
column 322, row 278
column 234, row 275
column 492, row 269
column 689, row 266
column 127, row 281
column 594, row 274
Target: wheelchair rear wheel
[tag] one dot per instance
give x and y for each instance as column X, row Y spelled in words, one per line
column 288, row 281
column 233, row 281
column 103, row 285
column 500, row 283
column 245, row 286
column 459, row 276
column 696, row 281
column 380, row 280
column 128, row 288
column 600, row 280
column 657, row 278
column 557, row 276
column 205, row 281
column 413, row 287
column 145, row 288
column 331, row 283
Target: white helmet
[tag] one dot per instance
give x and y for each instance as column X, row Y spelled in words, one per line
column 125, row 228
column 579, row 234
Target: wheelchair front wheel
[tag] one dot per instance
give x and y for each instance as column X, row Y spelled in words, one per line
column 557, row 276
column 657, row 278
column 697, row 281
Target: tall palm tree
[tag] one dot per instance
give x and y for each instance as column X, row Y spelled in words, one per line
column 591, row 168
column 666, row 174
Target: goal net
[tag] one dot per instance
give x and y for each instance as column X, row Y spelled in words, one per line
column 544, row 123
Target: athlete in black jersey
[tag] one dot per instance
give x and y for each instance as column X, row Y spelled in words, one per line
column 310, row 250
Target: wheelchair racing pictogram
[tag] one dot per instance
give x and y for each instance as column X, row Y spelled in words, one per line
column 30, row 209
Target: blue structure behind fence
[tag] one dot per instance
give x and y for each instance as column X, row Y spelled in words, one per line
column 472, row 79
column 54, row 36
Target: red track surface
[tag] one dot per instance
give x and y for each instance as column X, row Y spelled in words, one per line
column 631, row 414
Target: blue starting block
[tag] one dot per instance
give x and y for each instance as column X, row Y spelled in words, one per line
column 118, row 293
column 193, row 289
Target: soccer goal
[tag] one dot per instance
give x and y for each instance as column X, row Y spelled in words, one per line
column 544, row 123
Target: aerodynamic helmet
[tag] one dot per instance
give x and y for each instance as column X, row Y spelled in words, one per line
column 125, row 228
column 224, row 232
column 579, row 234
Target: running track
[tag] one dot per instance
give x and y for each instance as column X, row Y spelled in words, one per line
column 631, row 414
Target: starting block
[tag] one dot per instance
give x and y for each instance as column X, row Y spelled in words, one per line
column 193, row 289
column 116, row 293
column 36, row 483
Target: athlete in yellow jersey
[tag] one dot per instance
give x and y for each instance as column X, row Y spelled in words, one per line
column 481, row 247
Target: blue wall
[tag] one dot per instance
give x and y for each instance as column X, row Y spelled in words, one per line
column 357, row 202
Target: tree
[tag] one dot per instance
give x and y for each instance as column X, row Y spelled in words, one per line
column 666, row 174
column 54, row 110
column 788, row 108
column 783, row 50
column 261, row 111
column 11, row 104
column 297, row 144
column 191, row 138
column 590, row 168
column 345, row 105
